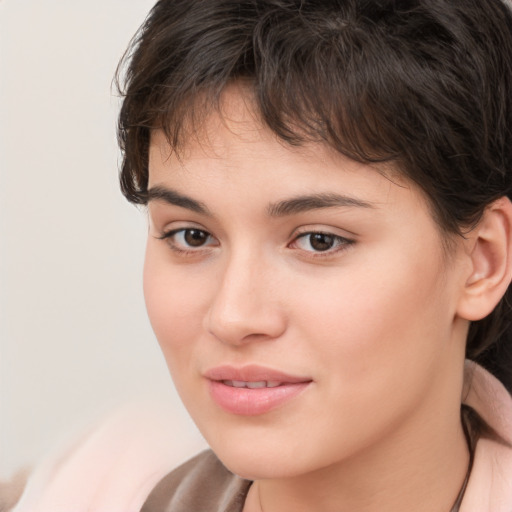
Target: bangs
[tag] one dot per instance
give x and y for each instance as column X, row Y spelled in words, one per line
column 399, row 82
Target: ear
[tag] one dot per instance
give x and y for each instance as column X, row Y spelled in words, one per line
column 490, row 252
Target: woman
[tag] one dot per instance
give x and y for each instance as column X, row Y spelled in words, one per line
column 329, row 249
column 329, row 238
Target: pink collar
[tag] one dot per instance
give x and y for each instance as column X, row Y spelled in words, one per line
column 489, row 487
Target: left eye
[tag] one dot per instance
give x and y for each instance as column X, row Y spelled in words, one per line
column 188, row 238
column 320, row 242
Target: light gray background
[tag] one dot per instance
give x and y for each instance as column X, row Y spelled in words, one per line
column 74, row 338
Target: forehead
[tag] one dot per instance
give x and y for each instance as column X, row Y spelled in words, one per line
column 231, row 150
column 232, row 130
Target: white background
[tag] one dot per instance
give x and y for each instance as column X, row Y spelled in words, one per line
column 74, row 338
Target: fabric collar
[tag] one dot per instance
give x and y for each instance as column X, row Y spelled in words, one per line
column 489, row 487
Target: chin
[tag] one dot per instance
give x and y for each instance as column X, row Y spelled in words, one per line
column 251, row 467
column 261, row 460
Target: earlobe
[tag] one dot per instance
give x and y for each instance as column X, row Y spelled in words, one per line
column 491, row 258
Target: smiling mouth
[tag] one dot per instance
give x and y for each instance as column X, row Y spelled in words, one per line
column 253, row 398
column 253, row 390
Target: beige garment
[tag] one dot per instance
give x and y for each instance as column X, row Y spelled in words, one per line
column 203, row 484
column 112, row 467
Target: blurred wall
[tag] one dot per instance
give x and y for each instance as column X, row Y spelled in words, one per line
column 74, row 338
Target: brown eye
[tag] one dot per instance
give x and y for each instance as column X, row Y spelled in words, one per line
column 318, row 242
column 321, row 241
column 188, row 239
column 195, row 237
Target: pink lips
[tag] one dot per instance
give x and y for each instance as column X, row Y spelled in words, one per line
column 252, row 390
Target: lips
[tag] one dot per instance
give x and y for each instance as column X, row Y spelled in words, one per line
column 253, row 390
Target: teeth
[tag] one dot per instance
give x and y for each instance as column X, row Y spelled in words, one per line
column 252, row 385
column 256, row 385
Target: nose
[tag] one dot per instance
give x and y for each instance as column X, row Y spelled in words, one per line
column 245, row 307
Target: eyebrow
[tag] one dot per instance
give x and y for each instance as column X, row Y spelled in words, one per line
column 283, row 208
column 159, row 193
column 305, row 203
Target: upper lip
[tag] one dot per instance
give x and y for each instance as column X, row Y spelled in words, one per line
column 252, row 373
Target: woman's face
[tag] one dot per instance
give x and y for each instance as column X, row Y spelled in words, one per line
column 303, row 301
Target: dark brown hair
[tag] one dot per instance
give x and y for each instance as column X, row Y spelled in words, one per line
column 423, row 84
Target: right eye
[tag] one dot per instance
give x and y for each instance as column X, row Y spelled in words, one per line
column 188, row 239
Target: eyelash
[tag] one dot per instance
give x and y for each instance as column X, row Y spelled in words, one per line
column 340, row 243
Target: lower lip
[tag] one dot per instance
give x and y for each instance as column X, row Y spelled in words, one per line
column 251, row 402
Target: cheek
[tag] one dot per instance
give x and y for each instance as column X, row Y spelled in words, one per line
column 378, row 322
column 173, row 304
column 376, row 340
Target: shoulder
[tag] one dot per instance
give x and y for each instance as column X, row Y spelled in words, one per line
column 112, row 466
column 10, row 491
column 202, row 483
column 490, row 484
